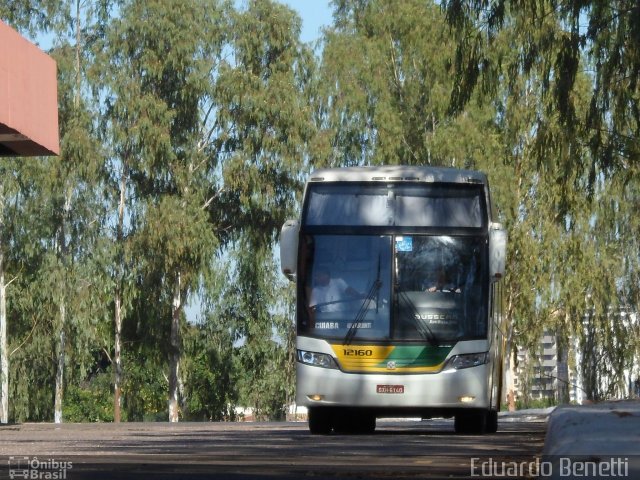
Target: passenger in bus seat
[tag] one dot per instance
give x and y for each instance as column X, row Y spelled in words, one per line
column 444, row 283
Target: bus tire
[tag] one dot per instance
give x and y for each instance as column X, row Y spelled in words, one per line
column 473, row 423
column 345, row 422
column 365, row 424
column 351, row 422
column 371, row 424
column 492, row 421
column 320, row 421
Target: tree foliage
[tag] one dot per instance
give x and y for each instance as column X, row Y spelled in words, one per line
column 601, row 36
column 579, row 63
column 188, row 129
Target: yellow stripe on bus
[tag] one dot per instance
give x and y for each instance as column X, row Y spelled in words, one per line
column 371, row 359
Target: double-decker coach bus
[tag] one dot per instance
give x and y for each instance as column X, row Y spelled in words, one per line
column 397, row 273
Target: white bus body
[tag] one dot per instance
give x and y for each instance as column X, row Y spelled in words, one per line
column 398, row 297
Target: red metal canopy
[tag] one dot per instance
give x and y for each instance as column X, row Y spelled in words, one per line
column 28, row 98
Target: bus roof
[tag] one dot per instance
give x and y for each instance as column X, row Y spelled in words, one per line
column 396, row 173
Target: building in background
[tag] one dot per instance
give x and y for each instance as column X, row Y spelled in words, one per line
column 538, row 375
column 549, row 375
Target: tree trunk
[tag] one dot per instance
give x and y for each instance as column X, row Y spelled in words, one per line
column 4, row 357
column 510, row 358
column 562, row 342
column 60, row 365
column 117, row 355
column 174, row 355
column 76, row 99
column 62, row 253
column 117, row 361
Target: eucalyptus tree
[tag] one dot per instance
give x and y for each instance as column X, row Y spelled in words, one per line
column 32, row 18
column 264, row 121
column 25, row 18
column 384, row 88
column 79, row 190
column 211, row 377
column 160, row 58
column 535, row 199
column 606, row 33
column 55, row 250
column 9, row 218
column 596, row 274
column 581, row 153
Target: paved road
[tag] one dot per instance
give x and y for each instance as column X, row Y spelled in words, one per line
column 242, row 451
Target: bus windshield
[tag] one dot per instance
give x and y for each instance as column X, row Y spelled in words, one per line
column 394, row 287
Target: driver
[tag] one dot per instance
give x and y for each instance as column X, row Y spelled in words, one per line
column 327, row 292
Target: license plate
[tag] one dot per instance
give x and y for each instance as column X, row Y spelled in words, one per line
column 390, row 389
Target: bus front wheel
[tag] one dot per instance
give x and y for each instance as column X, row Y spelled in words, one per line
column 474, row 423
column 492, row 421
column 320, row 421
column 354, row 422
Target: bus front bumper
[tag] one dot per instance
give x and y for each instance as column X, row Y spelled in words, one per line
column 440, row 393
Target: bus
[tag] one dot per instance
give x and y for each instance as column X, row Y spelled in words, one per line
column 398, row 297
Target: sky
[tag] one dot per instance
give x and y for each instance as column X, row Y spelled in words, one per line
column 315, row 14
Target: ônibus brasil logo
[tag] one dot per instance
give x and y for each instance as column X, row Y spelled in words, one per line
column 35, row 469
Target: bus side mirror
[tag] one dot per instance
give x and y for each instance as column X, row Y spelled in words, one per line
column 497, row 251
column 289, row 248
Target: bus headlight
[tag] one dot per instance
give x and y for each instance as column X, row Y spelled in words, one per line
column 316, row 359
column 467, row 360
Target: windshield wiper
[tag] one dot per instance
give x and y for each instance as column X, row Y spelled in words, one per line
column 373, row 291
column 423, row 329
